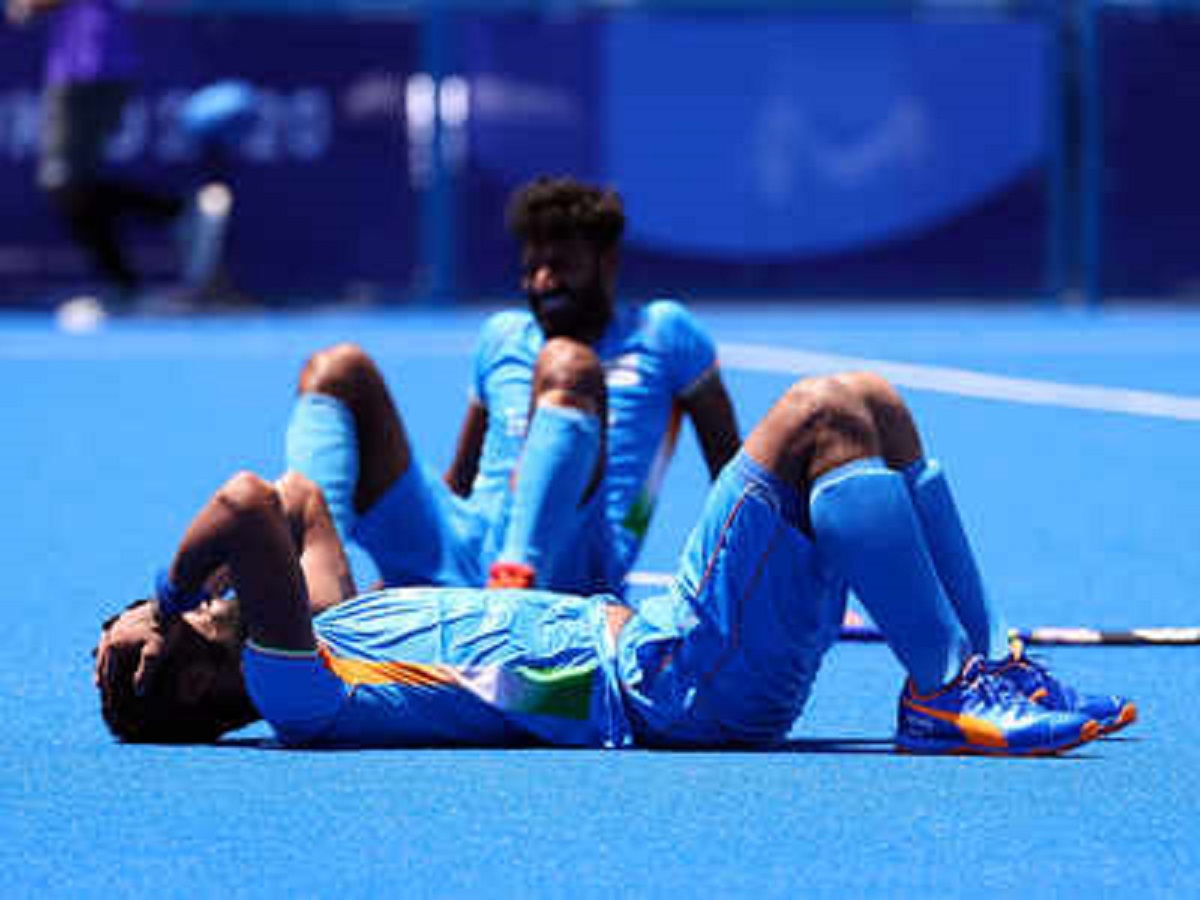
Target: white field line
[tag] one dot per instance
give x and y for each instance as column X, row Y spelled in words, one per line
column 749, row 357
column 965, row 383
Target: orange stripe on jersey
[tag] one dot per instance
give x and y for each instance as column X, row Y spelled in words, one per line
column 362, row 671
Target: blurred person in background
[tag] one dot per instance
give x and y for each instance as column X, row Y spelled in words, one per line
column 574, row 409
column 92, row 63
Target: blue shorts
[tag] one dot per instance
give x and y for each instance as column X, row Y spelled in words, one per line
column 422, row 533
column 728, row 656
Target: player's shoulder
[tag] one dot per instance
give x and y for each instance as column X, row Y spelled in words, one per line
column 506, row 325
column 667, row 312
column 508, row 320
column 666, row 322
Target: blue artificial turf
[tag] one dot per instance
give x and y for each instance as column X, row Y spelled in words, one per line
column 112, row 439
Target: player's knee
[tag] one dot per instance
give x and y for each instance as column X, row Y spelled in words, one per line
column 899, row 441
column 338, row 371
column 569, row 373
column 874, row 390
column 821, row 413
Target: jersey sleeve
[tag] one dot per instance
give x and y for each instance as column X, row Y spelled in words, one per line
column 297, row 696
column 492, row 338
column 689, row 350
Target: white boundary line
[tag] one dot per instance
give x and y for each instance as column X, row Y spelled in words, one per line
column 966, row 383
column 266, row 343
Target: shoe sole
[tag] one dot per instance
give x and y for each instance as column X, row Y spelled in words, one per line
column 1090, row 731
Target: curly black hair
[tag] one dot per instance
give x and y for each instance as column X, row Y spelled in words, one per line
column 156, row 717
column 555, row 208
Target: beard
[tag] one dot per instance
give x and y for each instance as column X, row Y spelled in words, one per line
column 582, row 314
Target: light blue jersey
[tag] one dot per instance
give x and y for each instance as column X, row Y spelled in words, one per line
column 429, row 666
column 653, row 356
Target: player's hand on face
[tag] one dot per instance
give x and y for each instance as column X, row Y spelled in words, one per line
column 135, row 640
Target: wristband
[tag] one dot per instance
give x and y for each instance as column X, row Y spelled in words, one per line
column 172, row 601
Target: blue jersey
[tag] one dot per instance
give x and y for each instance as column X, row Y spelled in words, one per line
column 653, row 355
column 425, row 666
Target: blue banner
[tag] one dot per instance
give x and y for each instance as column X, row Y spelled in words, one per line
column 321, row 176
column 533, row 110
column 793, row 154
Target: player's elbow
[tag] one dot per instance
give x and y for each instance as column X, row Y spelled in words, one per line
column 248, row 497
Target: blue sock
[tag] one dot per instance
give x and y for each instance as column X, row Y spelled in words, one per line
column 557, row 463
column 954, row 560
column 867, row 530
column 322, row 443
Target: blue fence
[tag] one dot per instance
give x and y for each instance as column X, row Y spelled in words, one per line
column 874, row 148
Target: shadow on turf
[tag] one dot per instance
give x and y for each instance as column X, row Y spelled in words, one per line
column 837, row 745
column 799, row 745
column 841, row 746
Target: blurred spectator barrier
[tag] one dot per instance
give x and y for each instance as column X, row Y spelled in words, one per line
column 868, row 148
column 323, row 198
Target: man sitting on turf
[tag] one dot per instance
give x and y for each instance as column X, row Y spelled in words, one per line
column 831, row 491
column 556, row 471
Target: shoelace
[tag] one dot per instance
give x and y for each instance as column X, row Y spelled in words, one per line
column 993, row 690
column 1043, row 679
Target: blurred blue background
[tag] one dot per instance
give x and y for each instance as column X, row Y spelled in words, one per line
column 929, row 149
column 1027, row 157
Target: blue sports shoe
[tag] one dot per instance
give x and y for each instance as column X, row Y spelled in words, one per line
column 979, row 713
column 1031, row 679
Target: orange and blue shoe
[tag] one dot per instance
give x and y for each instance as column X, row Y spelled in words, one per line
column 979, row 713
column 1031, row 679
column 511, row 575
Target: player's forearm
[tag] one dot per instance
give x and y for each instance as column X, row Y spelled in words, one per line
column 465, row 466
column 461, row 474
column 244, row 526
column 715, row 421
column 203, row 550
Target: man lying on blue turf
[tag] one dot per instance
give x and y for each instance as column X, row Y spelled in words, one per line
column 831, row 490
column 574, row 410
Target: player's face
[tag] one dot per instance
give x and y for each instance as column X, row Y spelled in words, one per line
column 569, row 283
column 209, row 672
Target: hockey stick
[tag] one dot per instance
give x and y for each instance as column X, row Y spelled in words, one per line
column 1049, row 635
column 1044, row 636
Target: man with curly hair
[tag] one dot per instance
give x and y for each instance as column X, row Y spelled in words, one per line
column 575, row 407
